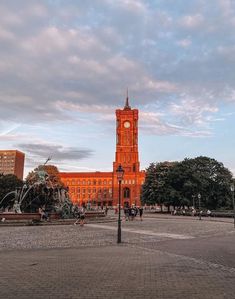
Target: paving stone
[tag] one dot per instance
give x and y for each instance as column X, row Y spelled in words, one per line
column 75, row 262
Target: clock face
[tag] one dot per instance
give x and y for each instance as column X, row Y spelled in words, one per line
column 127, row 124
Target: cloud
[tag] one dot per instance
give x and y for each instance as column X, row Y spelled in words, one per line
column 63, row 157
column 184, row 43
column 61, row 62
column 57, row 152
column 192, row 21
column 158, row 124
column 191, row 111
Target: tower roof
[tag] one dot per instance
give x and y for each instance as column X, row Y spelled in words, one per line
column 127, row 106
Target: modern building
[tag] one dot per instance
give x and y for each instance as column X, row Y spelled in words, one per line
column 12, row 162
column 101, row 188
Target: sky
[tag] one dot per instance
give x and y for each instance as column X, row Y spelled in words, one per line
column 65, row 66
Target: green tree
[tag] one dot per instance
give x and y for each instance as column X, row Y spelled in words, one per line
column 156, row 189
column 180, row 183
column 205, row 176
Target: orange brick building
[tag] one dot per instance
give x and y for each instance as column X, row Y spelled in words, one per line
column 12, row 162
column 101, row 188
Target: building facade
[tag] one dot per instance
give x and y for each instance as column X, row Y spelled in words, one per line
column 12, row 162
column 101, row 188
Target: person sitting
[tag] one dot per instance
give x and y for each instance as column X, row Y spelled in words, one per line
column 43, row 213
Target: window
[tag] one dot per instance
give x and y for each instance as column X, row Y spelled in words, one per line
column 126, row 192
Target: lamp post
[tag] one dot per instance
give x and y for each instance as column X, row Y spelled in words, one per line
column 199, row 206
column 120, row 174
column 232, row 189
column 193, row 197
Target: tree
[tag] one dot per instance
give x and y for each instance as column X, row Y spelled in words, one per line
column 155, row 189
column 8, row 183
column 205, row 176
column 183, row 181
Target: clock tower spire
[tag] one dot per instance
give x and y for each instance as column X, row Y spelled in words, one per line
column 127, row 106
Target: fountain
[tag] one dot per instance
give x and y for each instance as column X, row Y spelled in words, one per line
column 41, row 193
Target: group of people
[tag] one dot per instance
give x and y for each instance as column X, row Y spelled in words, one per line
column 131, row 212
column 193, row 212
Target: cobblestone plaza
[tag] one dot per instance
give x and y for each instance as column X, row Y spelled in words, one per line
column 161, row 257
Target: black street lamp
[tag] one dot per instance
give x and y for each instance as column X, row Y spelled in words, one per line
column 193, row 197
column 199, row 200
column 232, row 189
column 199, row 206
column 120, row 174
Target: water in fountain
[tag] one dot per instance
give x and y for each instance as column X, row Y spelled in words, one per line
column 30, row 198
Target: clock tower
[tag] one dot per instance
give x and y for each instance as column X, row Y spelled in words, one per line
column 127, row 154
column 127, row 139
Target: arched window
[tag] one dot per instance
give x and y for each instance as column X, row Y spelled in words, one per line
column 126, row 192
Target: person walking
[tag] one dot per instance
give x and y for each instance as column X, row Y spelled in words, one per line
column 132, row 213
column 76, row 214
column 141, row 210
column 106, row 210
column 200, row 215
column 82, row 216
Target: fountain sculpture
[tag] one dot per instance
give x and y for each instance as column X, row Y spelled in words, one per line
column 40, row 193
